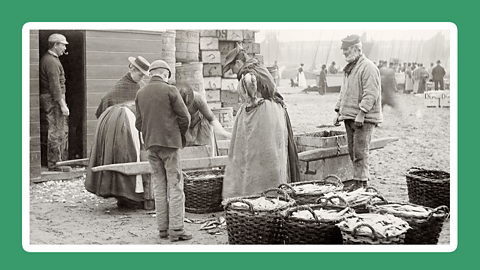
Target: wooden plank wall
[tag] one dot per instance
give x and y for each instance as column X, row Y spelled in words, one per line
column 107, row 55
column 35, row 153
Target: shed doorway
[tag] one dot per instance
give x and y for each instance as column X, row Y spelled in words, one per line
column 74, row 65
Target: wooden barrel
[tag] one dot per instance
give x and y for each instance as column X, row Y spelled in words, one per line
column 187, row 46
column 224, row 116
column 191, row 74
column 168, row 51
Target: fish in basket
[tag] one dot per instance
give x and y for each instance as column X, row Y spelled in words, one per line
column 314, row 224
column 372, row 229
column 356, row 199
column 308, row 192
column 203, row 190
column 429, row 188
column 425, row 222
column 256, row 219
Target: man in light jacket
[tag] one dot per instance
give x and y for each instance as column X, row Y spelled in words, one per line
column 359, row 106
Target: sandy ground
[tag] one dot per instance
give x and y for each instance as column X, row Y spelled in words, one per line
column 63, row 212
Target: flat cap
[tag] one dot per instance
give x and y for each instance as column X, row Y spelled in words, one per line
column 57, row 38
column 350, row 41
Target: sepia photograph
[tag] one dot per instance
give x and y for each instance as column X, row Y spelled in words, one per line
column 233, row 137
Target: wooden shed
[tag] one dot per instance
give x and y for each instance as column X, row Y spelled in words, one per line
column 97, row 59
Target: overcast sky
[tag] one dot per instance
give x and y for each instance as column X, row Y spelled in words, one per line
column 338, row 34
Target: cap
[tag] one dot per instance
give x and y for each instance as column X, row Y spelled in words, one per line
column 161, row 64
column 57, row 38
column 141, row 63
column 438, row 62
column 350, row 41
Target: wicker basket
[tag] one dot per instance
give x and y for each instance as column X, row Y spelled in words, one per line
column 310, row 198
column 203, row 191
column 372, row 238
column 252, row 226
column 429, row 188
column 306, row 231
column 423, row 230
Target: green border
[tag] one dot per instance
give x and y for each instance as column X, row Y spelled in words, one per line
column 17, row 13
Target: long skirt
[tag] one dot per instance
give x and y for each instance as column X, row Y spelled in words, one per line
column 258, row 153
column 116, row 141
column 302, row 82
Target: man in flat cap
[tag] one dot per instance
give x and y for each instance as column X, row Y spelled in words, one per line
column 52, row 101
column 437, row 73
column 163, row 119
column 359, row 106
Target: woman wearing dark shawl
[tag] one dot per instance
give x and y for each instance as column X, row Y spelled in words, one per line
column 116, row 141
column 262, row 151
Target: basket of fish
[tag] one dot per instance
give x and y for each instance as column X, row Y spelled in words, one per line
column 373, row 229
column 429, row 188
column 256, row 219
column 314, row 224
column 308, row 192
column 356, row 199
column 425, row 222
column 203, row 190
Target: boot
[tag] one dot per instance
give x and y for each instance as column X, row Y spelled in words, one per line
column 163, row 234
column 179, row 235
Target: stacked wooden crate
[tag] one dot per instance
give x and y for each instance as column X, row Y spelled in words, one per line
column 212, row 67
column 221, row 89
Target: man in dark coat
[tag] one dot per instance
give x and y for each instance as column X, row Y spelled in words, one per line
column 322, row 80
column 437, row 73
column 163, row 119
column 126, row 88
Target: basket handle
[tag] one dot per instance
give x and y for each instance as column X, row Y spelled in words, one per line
column 289, row 187
column 372, row 188
column 365, row 225
column 442, row 210
column 370, row 201
column 414, row 169
column 250, row 206
column 286, row 197
column 339, row 181
column 329, row 199
column 301, row 207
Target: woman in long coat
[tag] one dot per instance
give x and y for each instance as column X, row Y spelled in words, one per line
column 262, row 153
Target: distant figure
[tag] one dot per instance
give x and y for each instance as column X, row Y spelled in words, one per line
column 420, row 77
column 409, row 79
column 322, row 80
column 276, row 78
column 389, row 86
column 332, row 69
column 302, row 82
column 430, row 78
column 437, row 73
column 404, row 67
column 293, row 83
